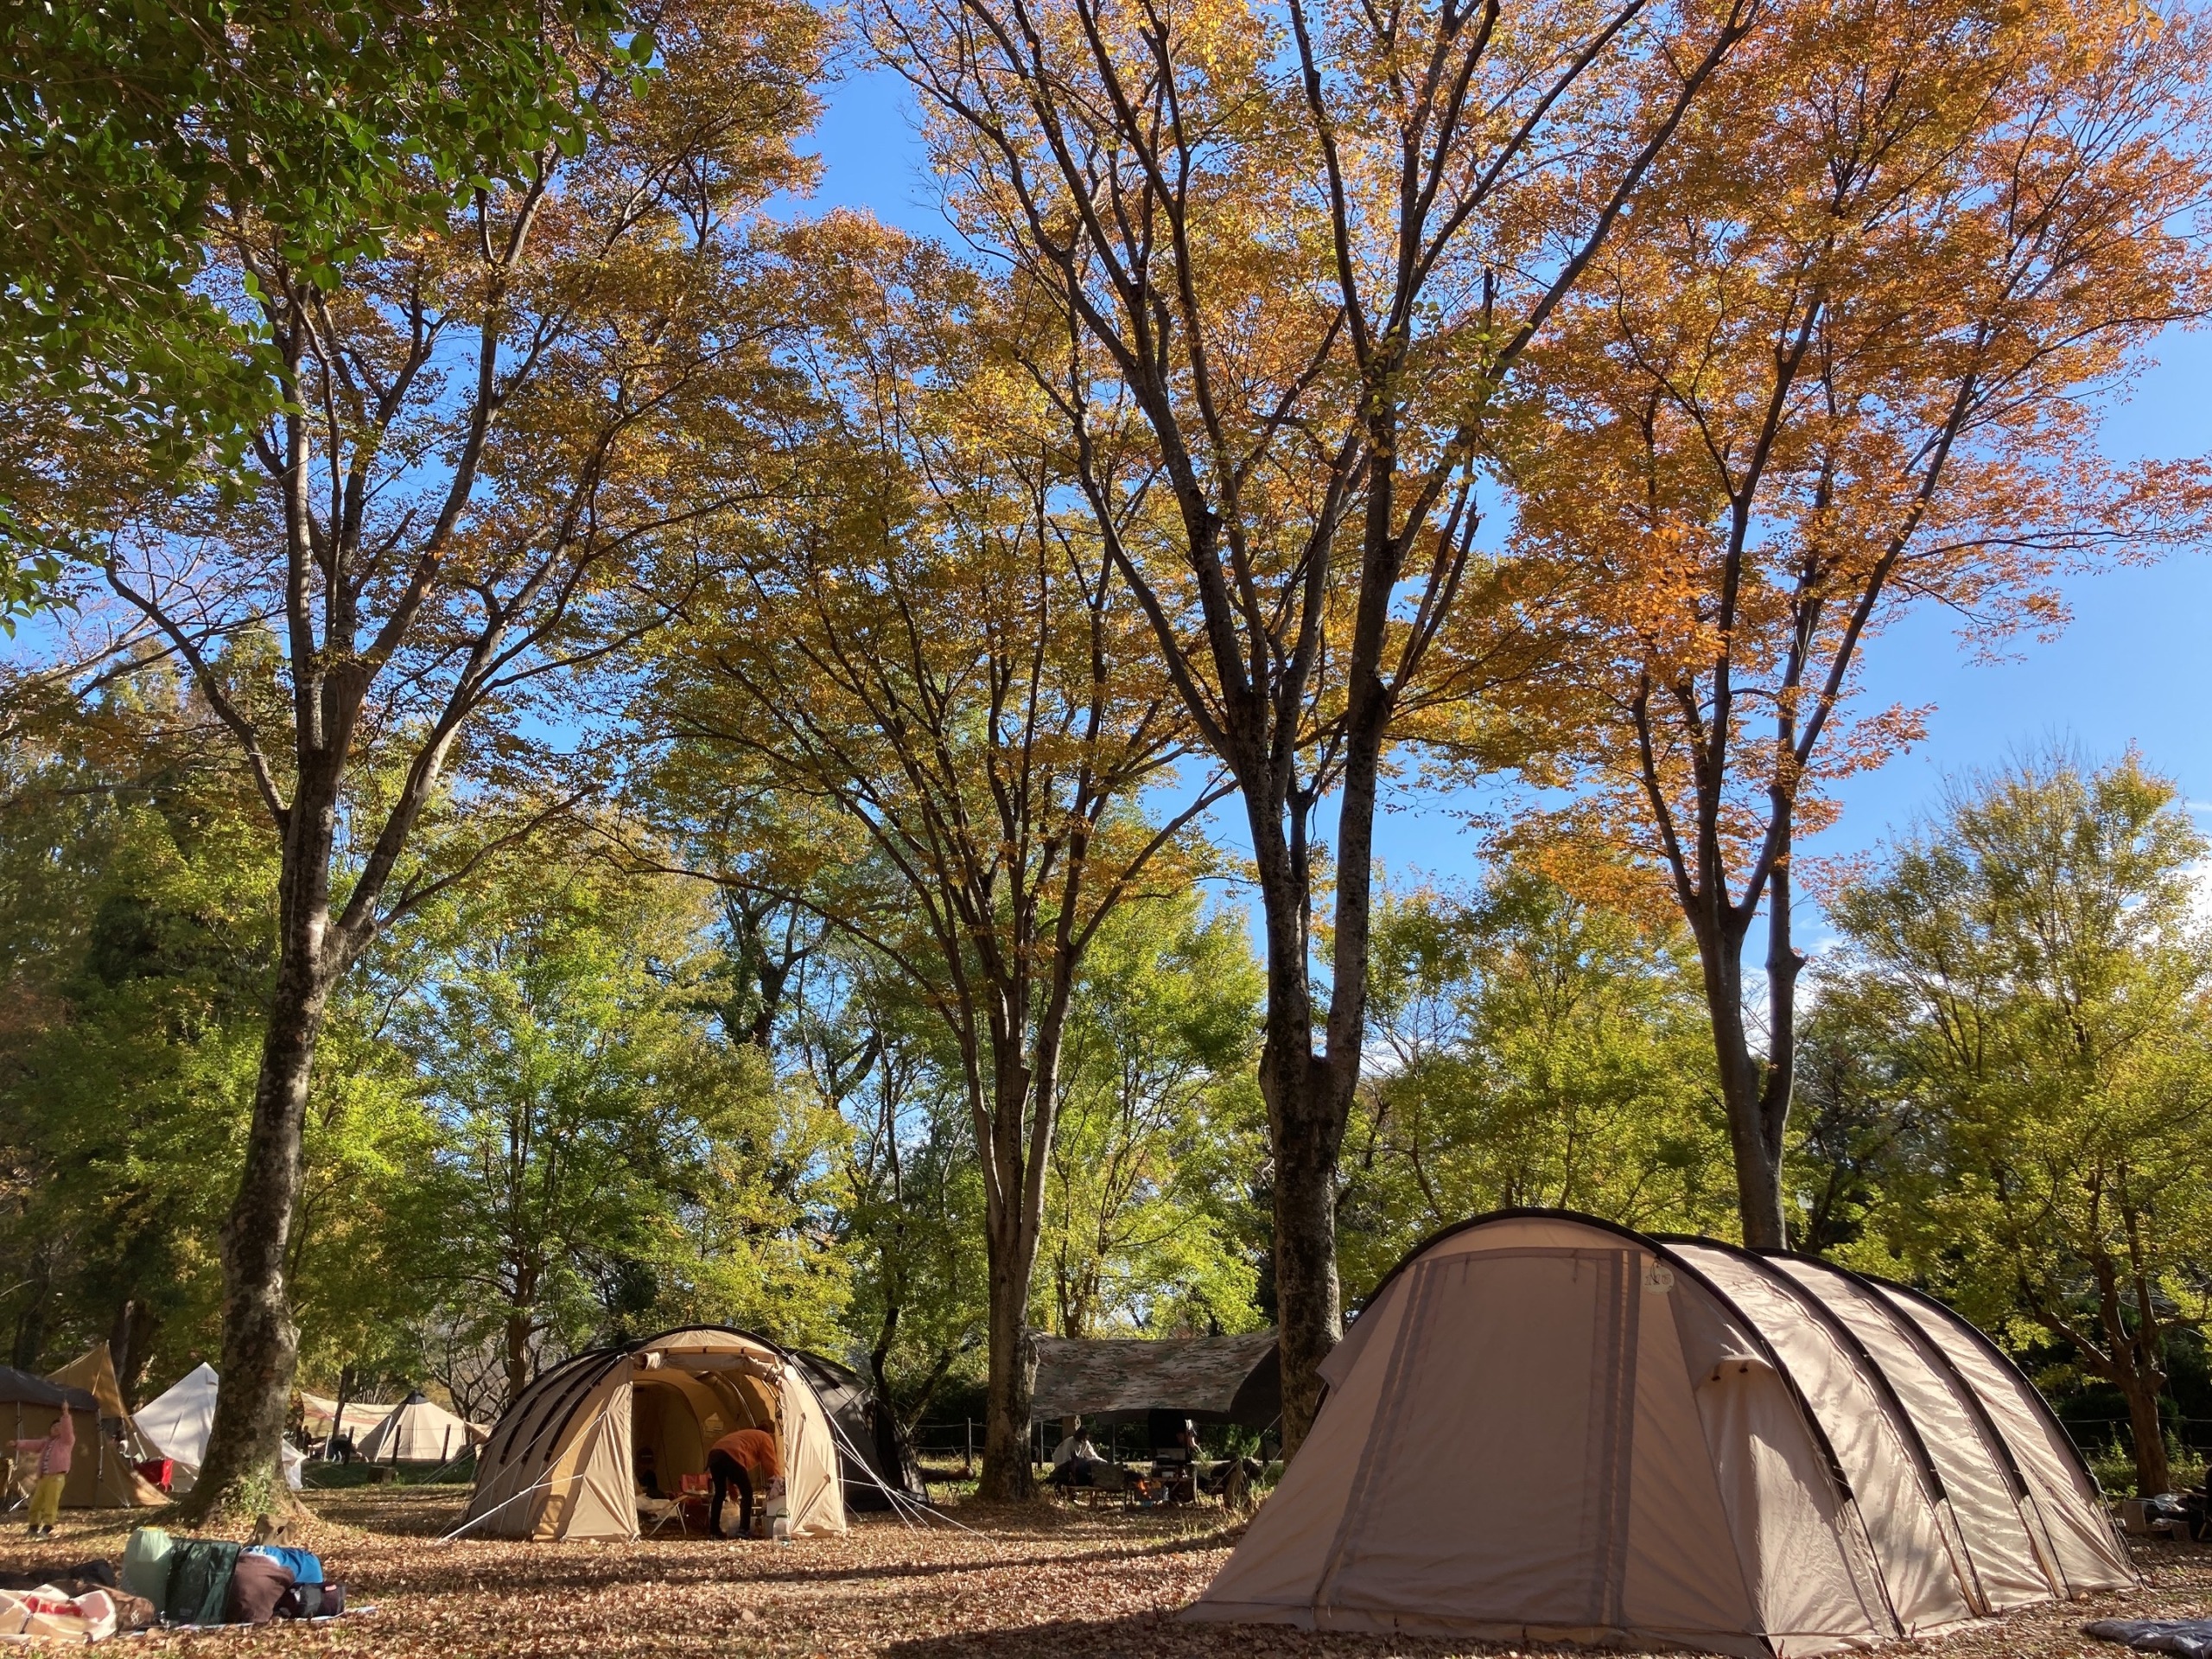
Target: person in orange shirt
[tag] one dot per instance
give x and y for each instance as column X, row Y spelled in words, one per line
column 745, row 1458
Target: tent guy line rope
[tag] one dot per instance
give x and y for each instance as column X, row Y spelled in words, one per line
column 901, row 1502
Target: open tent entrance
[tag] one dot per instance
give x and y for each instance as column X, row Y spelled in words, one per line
column 594, row 1440
column 680, row 1407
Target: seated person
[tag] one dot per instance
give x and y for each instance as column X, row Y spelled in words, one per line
column 1177, row 1467
column 1073, row 1457
column 745, row 1458
column 647, row 1472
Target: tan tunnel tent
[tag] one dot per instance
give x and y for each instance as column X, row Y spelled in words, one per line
column 1546, row 1427
column 573, row 1456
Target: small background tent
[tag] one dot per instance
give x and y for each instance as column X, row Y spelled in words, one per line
column 178, row 1422
column 564, row 1460
column 320, row 1415
column 416, row 1431
column 111, row 1481
column 101, row 1474
column 1119, row 1380
column 872, row 1453
column 1545, row 1427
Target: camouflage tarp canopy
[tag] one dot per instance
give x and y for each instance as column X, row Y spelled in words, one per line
column 1208, row 1379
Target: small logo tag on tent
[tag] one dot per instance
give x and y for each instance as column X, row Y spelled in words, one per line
column 1660, row 1277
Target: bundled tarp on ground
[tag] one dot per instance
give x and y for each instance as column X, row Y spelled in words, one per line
column 102, row 1475
column 178, row 1421
column 1113, row 1379
column 873, row 1452
column 568, row 1458
column 1544, row 1427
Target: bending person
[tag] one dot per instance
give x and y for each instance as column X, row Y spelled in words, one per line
column 747, row 1459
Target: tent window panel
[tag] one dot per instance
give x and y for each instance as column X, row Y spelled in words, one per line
column 1495, row 1484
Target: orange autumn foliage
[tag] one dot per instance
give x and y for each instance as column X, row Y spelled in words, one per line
column 1293, row 248
column 1848, row 358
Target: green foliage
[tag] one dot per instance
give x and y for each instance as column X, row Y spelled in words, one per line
column 127, row 130
column 1545, row 1051
column 1161, row 1130
column 135, row 900
column 911, row 1210
column 612, row 1165
column 2033, row 977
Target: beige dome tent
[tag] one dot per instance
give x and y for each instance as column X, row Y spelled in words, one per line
column 564, row 1460
column 416, row 1430
column 1545, row 1427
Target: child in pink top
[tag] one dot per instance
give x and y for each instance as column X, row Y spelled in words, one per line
column 55, row 1450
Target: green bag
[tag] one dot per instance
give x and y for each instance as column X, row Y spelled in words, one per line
column 146, row 1565
column 200, row 1580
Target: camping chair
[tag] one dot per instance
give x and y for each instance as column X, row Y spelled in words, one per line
column 688, row 1508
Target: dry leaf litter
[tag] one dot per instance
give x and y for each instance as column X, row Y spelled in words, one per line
column 1040, row 1580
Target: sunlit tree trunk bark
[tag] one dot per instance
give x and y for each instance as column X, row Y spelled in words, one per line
column 243, row 1468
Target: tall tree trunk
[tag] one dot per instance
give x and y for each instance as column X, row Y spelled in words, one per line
column 2152, row 1473
column 1006, row 1475
column 1309, row 1096
column 879, row 1355
column 131, row 1346
column 243, row 1463
column 1309, row 1307
column 515, row 1359
column 1756, row 1151
column 347, row 1378
column 30, row 1324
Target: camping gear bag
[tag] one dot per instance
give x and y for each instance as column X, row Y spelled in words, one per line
column 312, row 1601
column 76, row 1580
column 146, row 1559
column 257, row 1583
column 303, row 1564
column 200, row 1580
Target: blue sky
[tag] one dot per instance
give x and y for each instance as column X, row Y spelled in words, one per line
column 2133, row 667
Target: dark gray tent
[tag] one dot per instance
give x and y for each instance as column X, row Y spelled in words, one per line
column 1119, row 1380
column 22, row 1389
column 872, row 1451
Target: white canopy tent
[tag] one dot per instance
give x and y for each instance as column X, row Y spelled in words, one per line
column 178, row 1421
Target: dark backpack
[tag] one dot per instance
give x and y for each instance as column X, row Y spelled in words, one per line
column 312, row 1601
column 200, row 1580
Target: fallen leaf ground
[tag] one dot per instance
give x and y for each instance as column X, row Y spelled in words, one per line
column 1047, row 1581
